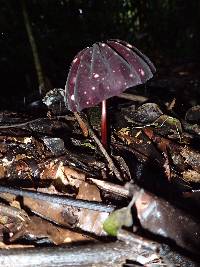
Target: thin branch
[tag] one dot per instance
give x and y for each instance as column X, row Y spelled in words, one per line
column 111, row 187
column 31, row 38
column 82, row 124
column 62, row 200
column 103, row 150
column 132, row 97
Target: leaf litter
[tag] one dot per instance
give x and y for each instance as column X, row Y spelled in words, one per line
column 154, row 149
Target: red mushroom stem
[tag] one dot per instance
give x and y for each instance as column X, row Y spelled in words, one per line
column 104, row 125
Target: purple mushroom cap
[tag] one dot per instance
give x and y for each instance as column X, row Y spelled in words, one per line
column 105, row 70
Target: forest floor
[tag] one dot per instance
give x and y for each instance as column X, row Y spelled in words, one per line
column 62, row 195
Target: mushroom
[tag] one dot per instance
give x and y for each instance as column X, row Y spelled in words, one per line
column 102, row 71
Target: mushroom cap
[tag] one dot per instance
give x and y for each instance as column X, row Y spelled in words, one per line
column 105, row 70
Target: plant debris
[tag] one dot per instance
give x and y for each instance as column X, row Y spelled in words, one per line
column 60, row 187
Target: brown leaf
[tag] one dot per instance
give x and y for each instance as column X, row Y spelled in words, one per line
column 71, row 217
column 88, row 192
column 38, row 228
column 162, row 218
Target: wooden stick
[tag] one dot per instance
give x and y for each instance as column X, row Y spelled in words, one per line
column 103, row 150
column 82, row 124
column 132, row 97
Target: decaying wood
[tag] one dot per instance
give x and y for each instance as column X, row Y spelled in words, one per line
column 101, row 255
column 84, row 215
column 110, row 254
column 63, row 200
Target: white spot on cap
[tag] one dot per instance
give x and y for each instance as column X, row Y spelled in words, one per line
column 131, row 75
column 75, row 60
column 113, row 71
column 107, row 87
column 72, row 97
column 129, row 45
column 103, row 44
column 93, row 88
column 127, row 49
column 141, row 71
column 87, row 102
column 85, row 92
column 96, row 75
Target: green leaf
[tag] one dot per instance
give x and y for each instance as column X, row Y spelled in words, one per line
column 117, row 219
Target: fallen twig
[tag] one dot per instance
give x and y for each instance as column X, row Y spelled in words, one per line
column 63, row 200
column 101, row 147
column 132, row 97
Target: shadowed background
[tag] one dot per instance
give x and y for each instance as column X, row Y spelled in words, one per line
column 167, row 31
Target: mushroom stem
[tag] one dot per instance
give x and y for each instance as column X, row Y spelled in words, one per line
column 104, row 125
